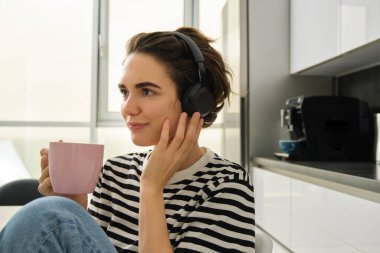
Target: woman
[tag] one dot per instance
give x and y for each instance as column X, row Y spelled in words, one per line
column 179, row 197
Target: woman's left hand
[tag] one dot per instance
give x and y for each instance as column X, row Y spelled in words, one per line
column 168, row 156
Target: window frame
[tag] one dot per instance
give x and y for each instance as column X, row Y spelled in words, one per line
column 99, row 114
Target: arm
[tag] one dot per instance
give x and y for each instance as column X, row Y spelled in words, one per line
column 165, row 160
column 153, row 232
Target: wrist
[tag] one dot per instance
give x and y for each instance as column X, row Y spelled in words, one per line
column 150, row 184
column 151, row 189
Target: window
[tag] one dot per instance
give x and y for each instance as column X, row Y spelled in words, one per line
column 46, row 74
column 61, row 62
column 45, row 60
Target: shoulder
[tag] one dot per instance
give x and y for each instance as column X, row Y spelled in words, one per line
column 123, row 163
column 226, row 170
column 227, row 176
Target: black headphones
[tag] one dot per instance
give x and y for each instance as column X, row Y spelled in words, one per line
column 197, row 97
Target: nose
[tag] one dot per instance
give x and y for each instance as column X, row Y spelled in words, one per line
column 129, row 107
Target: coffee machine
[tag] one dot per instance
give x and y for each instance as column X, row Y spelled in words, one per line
column 328, row 128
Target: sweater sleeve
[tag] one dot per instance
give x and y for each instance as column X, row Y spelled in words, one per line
column 223, row 222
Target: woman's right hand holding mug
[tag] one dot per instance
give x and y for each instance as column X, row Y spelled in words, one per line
column 45, row 186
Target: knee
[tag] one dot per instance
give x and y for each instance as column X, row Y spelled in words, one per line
column 37, row 219
column 48, row 204
column 45, row 209
column 52, row 203
column 44, row 213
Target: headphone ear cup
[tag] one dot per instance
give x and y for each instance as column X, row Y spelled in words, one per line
column 197, row 98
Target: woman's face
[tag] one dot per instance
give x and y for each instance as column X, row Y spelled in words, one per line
column 149, row 97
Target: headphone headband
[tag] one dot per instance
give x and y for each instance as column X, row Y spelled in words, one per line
column 197, row 97
column 197, row 55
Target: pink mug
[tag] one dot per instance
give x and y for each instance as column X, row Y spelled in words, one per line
column 74, row 167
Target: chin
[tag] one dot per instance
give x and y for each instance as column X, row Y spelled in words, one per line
column 143, row 142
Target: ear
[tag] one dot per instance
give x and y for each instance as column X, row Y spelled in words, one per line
column 197, row 98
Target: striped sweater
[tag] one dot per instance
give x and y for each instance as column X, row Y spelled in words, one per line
column 209, row 206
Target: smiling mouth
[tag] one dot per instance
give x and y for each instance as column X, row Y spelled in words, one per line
column 136, row 126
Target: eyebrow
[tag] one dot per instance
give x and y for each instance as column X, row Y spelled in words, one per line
column 141, row 85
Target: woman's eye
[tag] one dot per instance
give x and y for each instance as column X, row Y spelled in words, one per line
column 147, row 92
column 124, row 92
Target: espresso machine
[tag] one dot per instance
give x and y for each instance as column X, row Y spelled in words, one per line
column 328, row 128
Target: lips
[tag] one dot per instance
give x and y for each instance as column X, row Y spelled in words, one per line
column 134, row 126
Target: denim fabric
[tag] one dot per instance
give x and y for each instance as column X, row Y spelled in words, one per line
column 53, row 224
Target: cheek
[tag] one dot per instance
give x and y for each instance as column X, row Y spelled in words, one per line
column 171, row 111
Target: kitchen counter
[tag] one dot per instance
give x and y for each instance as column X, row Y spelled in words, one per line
column 361, row 179
column 313, row 206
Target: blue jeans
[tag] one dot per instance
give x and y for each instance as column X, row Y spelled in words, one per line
column 53, row 224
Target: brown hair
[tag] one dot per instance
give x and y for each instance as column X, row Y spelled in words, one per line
column 173, row 52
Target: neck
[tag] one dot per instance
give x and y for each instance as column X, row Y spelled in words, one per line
column 194, row 155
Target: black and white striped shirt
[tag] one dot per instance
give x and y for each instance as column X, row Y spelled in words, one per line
column 209, row 206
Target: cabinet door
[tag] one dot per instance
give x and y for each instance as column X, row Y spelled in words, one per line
column 272, row 208
column 360, row 21
column 314, row 32
column 324, row 221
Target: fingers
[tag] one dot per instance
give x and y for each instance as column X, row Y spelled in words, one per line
column 199, row 128
column 44, row 151
column 193, row 131
column 180, row 133
column 44, row 162
column 45, row 186
column 164, row 139
column 44, row 174
column 186, row 135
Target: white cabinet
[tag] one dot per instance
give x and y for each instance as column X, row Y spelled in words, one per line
column 334, row 37
column 359, row 23
column 314, row 32
column 272, row 204
column 325, row 220
column 309, row 218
